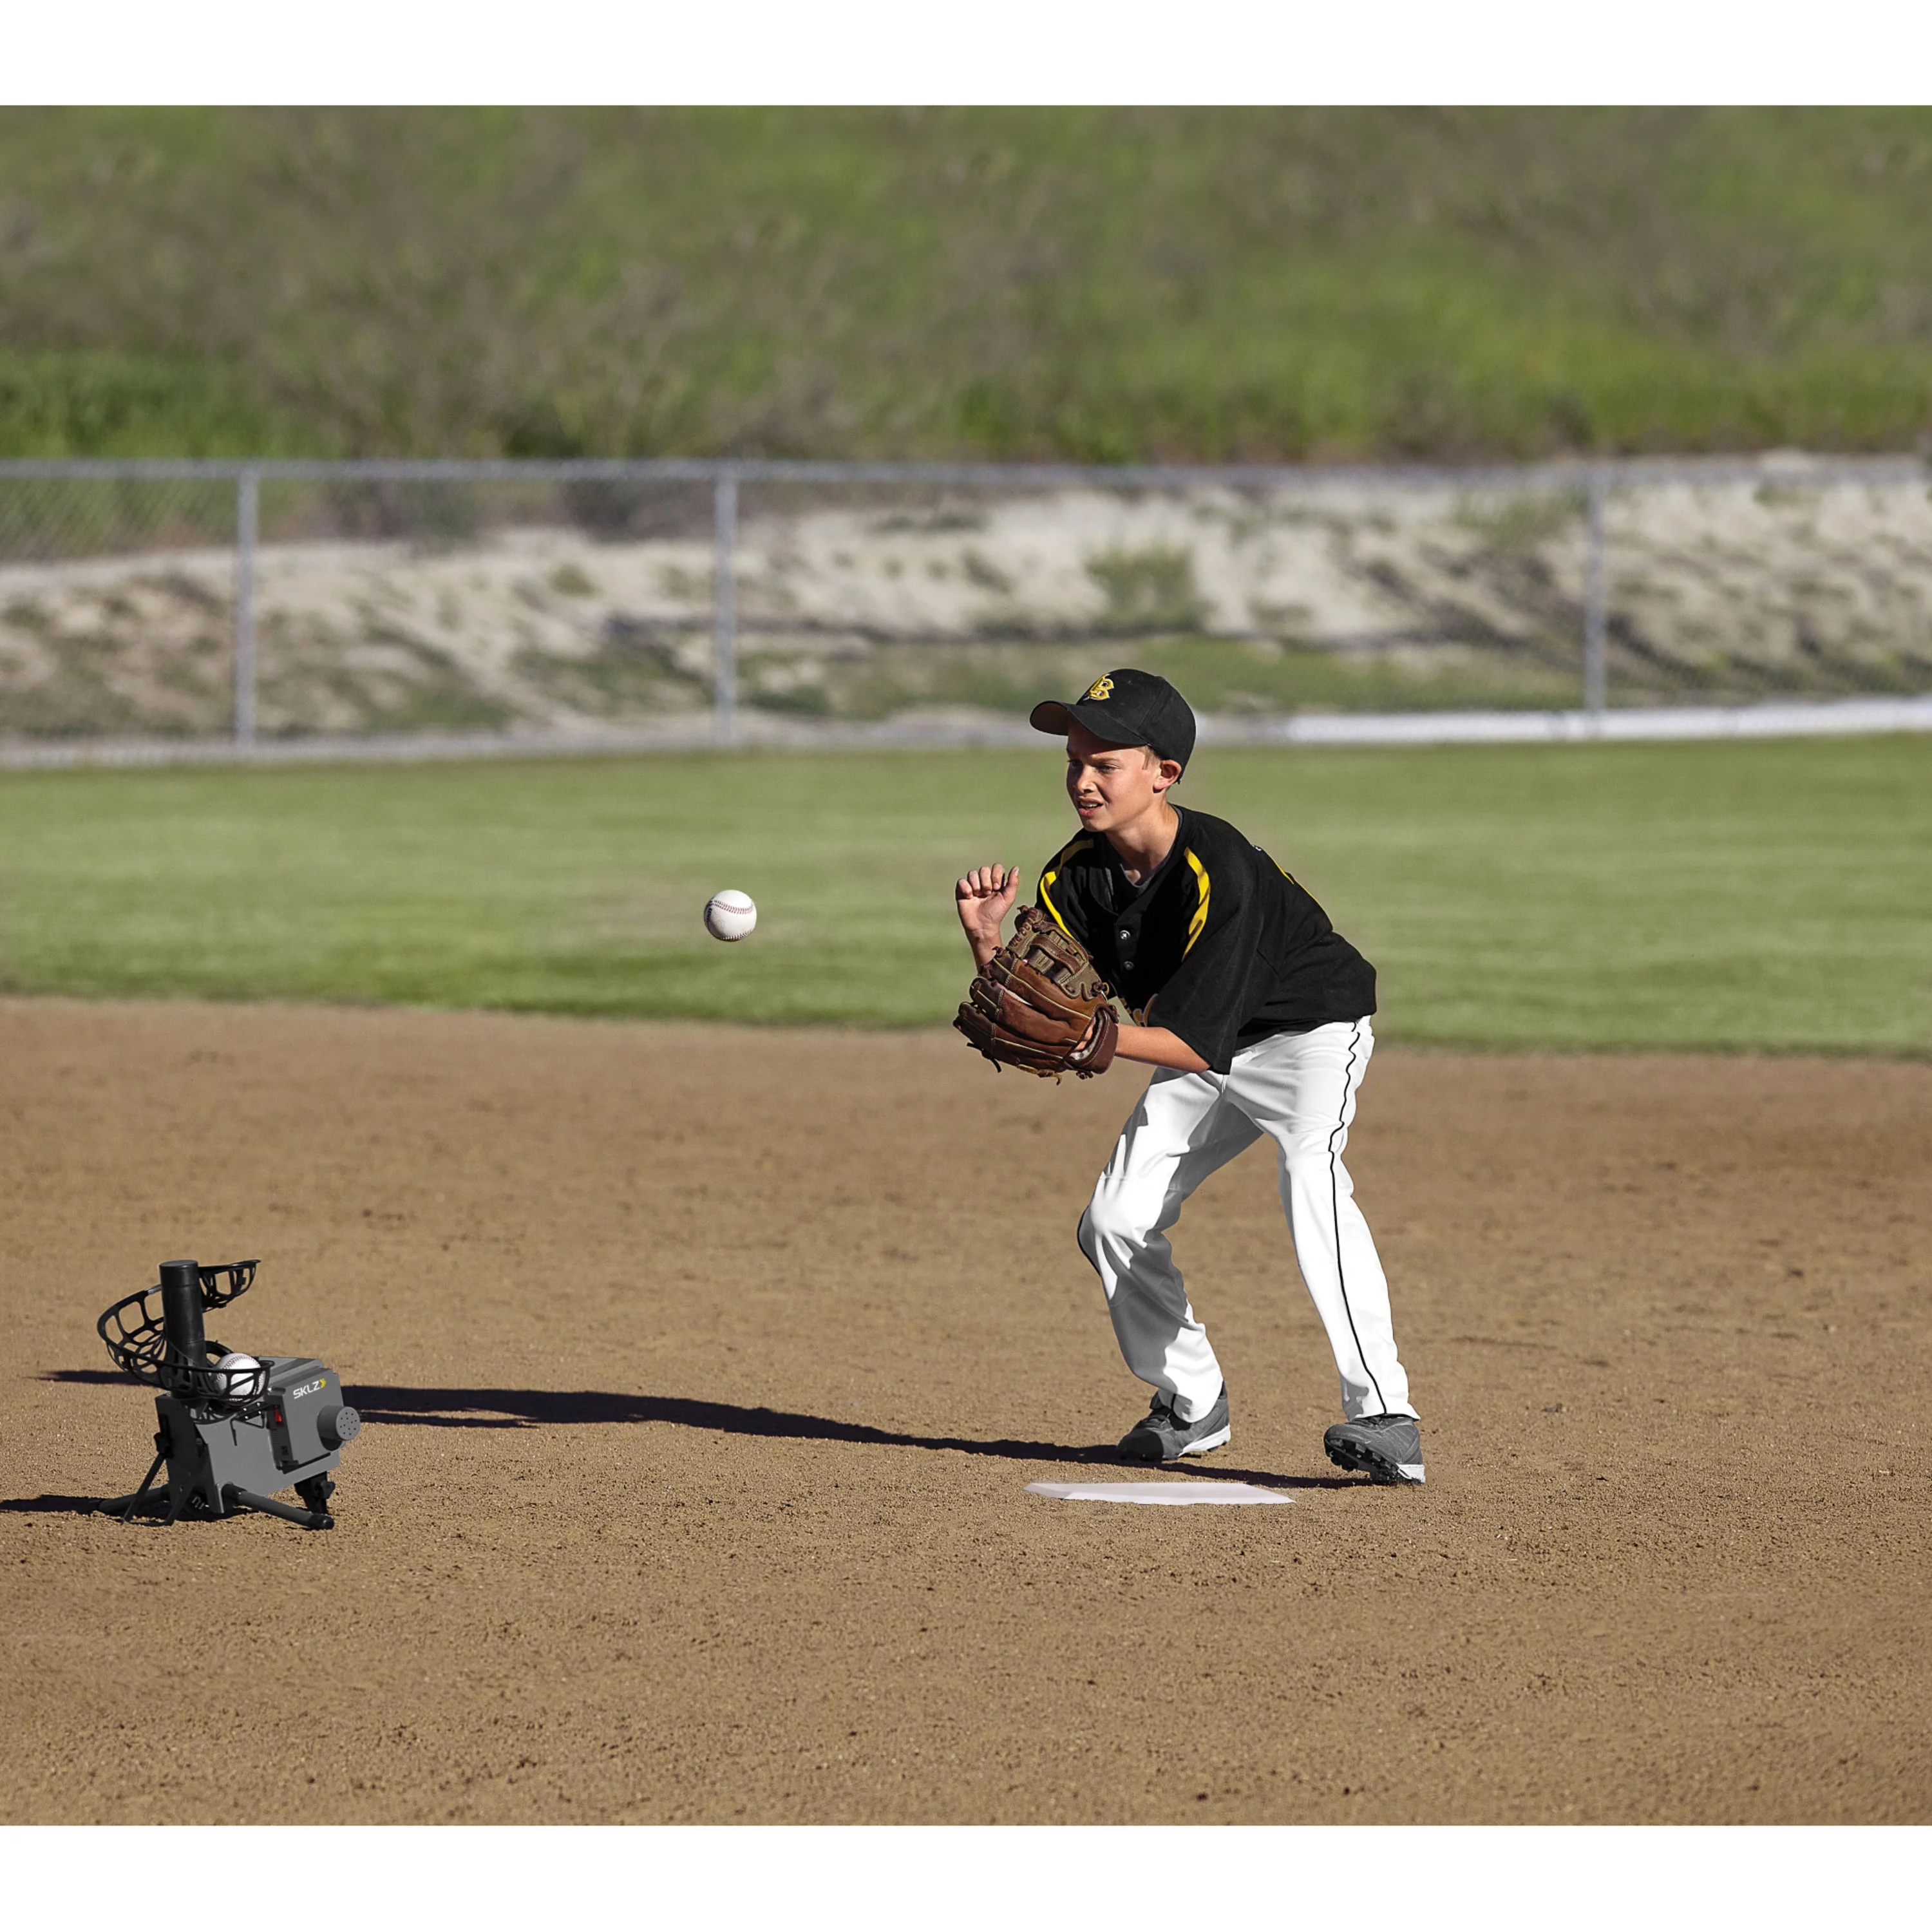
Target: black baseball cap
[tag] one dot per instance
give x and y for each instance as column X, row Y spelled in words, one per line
column 1126, row 707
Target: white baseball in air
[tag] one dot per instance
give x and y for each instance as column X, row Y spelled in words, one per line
column 242, row 1376
column 730, row 915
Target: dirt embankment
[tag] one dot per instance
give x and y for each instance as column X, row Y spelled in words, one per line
column 1344, row 596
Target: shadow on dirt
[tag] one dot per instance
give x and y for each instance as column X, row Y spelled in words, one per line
column 523, row 1409
column 152, row 1504
column 526, row 1409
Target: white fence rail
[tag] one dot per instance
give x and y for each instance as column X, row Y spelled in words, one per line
column 166, row 610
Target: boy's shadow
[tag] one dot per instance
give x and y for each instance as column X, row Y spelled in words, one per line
column 526, row 1409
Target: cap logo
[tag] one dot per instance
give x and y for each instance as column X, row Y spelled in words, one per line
column 1101, row 688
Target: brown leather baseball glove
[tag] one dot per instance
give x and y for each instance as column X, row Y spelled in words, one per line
column 1040, row 1004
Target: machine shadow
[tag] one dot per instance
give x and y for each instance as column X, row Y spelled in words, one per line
column 56, row 1505
column 526, row 1409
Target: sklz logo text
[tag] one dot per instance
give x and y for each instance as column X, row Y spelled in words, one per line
column 306, row 1388
column 1100, row 689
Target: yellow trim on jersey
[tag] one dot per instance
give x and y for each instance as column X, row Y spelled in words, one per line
column 1052, row 872
column 1200, row 919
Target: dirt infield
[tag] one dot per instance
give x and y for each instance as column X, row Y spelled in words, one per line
column 704, row 1371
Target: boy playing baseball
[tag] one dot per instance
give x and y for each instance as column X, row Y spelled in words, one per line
column 1254, row 1013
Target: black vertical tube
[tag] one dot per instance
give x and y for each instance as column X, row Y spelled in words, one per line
column 181, row 1320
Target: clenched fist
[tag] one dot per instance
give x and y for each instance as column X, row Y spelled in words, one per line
column 982, row 899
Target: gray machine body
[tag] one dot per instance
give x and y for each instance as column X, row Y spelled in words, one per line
column 294, row 1431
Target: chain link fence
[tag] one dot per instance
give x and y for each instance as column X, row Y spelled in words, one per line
column 149, row 610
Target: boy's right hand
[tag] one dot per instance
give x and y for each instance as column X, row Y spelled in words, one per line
column 982, row 899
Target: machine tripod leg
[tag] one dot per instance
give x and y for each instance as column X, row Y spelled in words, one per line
column 316, row 1493
column 237, row 1498
column 126, row 1505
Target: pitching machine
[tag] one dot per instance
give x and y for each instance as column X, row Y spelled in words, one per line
column 234, row 1428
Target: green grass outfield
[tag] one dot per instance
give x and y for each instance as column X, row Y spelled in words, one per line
column 1733, row 896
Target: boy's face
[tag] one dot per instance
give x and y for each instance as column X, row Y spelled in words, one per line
column 1112, row 785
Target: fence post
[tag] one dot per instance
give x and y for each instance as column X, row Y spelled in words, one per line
column 1595, row 680
column 724, row 611
column 248, row 520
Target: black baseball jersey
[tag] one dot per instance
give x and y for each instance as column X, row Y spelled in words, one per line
column 1220, row 945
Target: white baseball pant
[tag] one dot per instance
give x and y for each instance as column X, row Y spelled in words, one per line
column 1299, row 1089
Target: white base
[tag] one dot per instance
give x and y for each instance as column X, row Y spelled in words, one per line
column 1169, row 1493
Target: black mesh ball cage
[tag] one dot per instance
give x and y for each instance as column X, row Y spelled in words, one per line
column 136, row 1331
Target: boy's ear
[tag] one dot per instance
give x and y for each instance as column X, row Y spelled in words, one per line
column 1167, row 772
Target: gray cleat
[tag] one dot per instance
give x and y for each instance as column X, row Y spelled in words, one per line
column 1389, row 1447
column 1161, row 1436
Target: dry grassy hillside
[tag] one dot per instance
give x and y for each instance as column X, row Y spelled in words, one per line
column 1103, row 283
